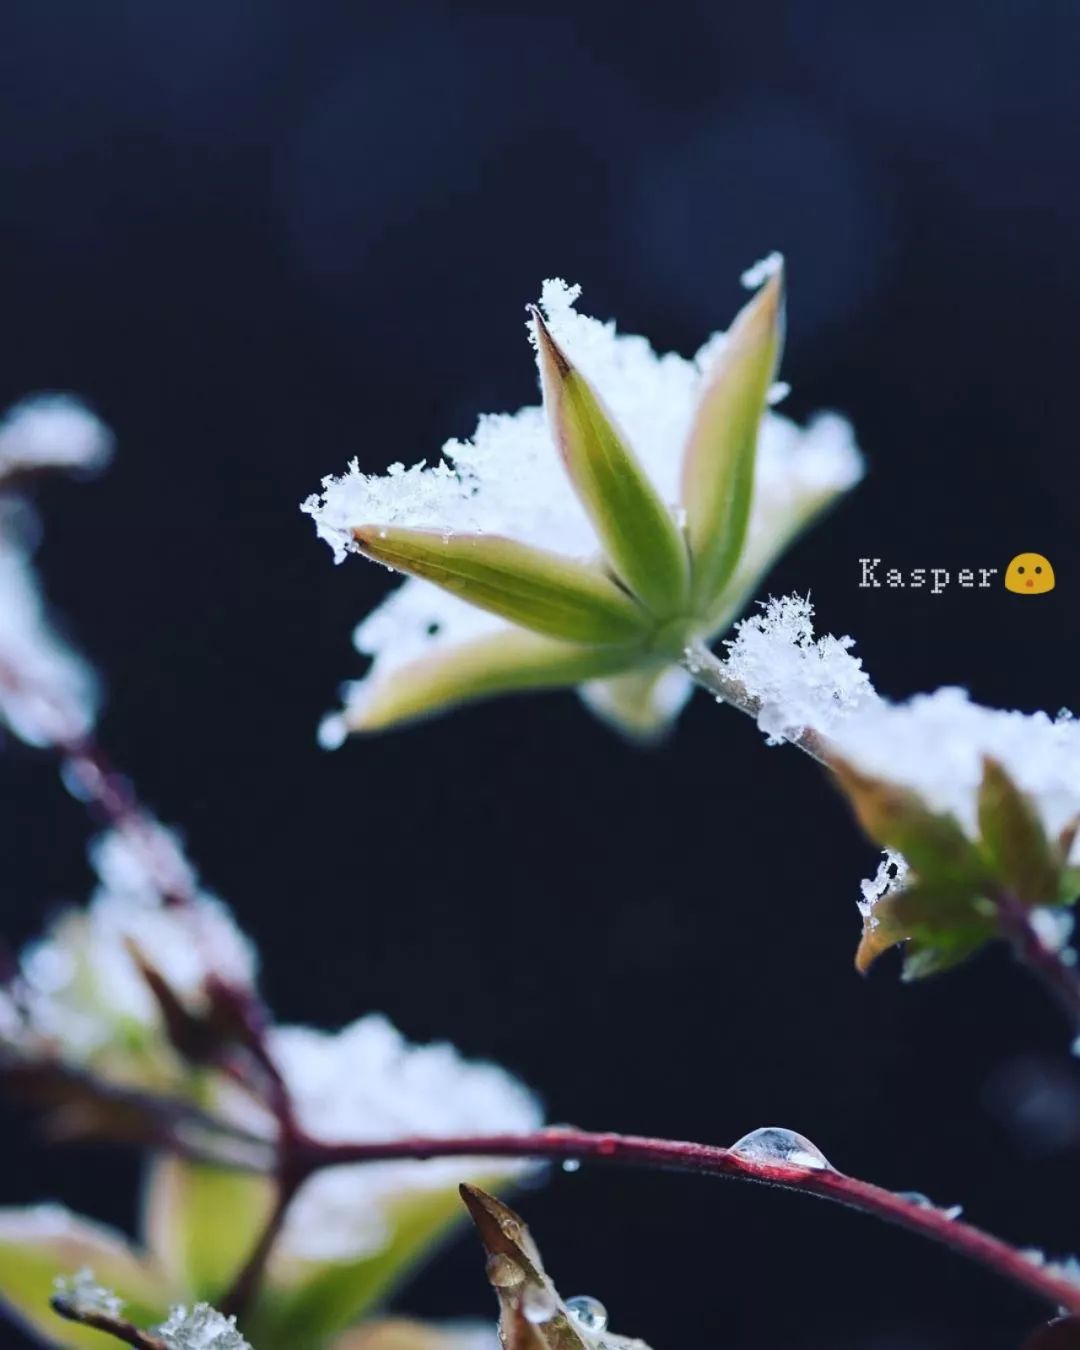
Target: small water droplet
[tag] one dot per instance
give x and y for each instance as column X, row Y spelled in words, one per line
column 538, row 1304
column 587, row 1312
column 502, row 1272
column 571, row 1165
column 916, row 1198
column 777, row 1147
column 333, row 732
column 953, row 1211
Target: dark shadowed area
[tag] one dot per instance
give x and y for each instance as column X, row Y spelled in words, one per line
column 262, row 238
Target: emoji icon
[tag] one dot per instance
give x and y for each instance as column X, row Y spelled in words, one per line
column 1029, row 574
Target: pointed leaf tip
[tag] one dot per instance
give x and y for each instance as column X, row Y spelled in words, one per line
column 516, row 1272
column 546, row 345
column 635, row 527
column 718, row 464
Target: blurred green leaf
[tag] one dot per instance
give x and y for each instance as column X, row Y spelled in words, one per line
column 943, row 949
column 1020, row 856
column 940, row 913
column 40, row 1243
column 403, row 1333
column 201, row 1223
column 309, row 1301
column 942, row 925
column 933, row 844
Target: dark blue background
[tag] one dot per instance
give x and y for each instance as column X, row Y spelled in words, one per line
column 263, row 237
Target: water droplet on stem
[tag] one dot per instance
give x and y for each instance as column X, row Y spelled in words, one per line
column 774, row 1146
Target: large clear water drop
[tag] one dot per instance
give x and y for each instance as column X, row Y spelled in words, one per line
column 776, row 1147
column 587, row 1312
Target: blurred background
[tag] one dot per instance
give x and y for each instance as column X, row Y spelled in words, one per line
column 261, row 238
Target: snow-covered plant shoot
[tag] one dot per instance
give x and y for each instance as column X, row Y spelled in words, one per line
column 606, row 541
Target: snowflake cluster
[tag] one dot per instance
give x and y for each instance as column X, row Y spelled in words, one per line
column 799, row 680
column 200, row 1328
column 83, row 1294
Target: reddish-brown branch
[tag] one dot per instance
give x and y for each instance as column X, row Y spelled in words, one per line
column 1042, row 1281
column 108, row 795
column 89, row 774
column 117, row 1327
column 246, row 1285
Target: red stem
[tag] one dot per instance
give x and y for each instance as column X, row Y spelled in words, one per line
column 675, row 1155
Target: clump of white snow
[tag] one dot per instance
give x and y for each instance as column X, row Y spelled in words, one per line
column 891, row 875
column 83, row 1293
column 800, row 680
column 48, row 694
column 200, row 1328
column 50, row 431
column 367, row 1083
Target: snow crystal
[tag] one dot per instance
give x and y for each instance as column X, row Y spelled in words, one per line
column 52, row 431
column 85, row 1295
column 800, row 681
column 934, row 744
column 366, row 1082
column 201, row 1328
column 890, row 876
column 509, row 480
